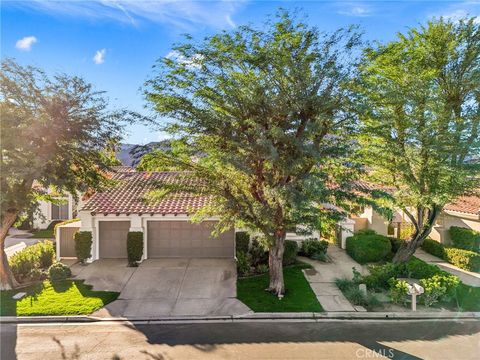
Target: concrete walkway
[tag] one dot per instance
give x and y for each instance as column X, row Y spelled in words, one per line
column 467, row 277
column 323, row 275
column 18, row 240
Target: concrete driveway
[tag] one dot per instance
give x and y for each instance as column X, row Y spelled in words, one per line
column 167, row 287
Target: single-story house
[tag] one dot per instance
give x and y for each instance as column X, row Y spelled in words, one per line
column 463, row 212
column 166, row 222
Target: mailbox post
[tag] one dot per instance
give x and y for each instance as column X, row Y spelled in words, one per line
column 415, row 290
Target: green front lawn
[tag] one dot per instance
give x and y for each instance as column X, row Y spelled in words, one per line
column 299, row 297
column 59, row 298
column 468, row 297
column 43, row 234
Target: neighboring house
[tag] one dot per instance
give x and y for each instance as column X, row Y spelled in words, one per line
column 463, row 212
column 49, row 211
column 166, row 223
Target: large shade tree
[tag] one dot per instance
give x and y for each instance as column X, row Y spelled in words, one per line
column 54, row 132
column 420, row 100
column 262, row 115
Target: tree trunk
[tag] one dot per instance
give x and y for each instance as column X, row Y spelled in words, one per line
column 406, row 251
column 275, row 263
column 7, row 281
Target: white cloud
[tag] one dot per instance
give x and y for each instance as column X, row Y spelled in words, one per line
column 183, row 14
column 192, row 62
column 26, row 43
column 99, row 57
column 460, row 10
column 354, row 9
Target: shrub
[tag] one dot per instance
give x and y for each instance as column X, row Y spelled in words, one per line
column 313, row 247
column 352, row 292
column 367, row 247
column 53, row 224
column 398, row 291
column 25, row 262
column 433, row 247
column 438, row 288
column 83, row 245
column 380, row 276
column 258, row 253
column 262, row 268
column 418, row 269
column 45, row 252
column 134, row 247
column 59, row 271
column 396, row 244
column 290, row 253
column 22, row 263
column 464, row 259
column 243, row 264
column 242, row 241
column 466, row 239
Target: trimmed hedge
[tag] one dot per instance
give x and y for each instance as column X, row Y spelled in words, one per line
column 59, row 271
column 433, row 247
column 242, row 241
column 464, row 259
column 134, row 247
column 314, row 248
column 83, row 245
column 466, row 239
column 365, row 247
column 290, row 252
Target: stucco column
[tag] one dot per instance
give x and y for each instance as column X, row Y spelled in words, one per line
column 347, row 227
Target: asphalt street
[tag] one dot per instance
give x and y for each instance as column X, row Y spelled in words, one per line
column 244, row 340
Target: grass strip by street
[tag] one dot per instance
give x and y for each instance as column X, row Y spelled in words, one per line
column 299, row 297
column 67, row 297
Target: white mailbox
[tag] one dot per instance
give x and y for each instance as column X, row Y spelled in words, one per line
column 414, row 290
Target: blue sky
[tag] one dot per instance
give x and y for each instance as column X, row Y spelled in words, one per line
column 113, row 44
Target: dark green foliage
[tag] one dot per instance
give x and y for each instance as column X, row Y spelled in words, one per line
column 366, row 247
column 352, row 292
column 466, row 239
column 434, row 247
column 314, row 248
column 396, row 244
column 380, row 275
column 243, row 263
column 464, row 259
column 53, row 224
column 418, row 269
column 59, row 271
column 30, row 262
column 290, row 254
column 258, row 253
column 242, row 241
column 83, row 245
column 134, row 247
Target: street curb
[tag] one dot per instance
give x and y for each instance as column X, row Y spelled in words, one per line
column 316, row 317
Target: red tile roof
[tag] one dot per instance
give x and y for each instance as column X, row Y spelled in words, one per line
column 465, row 204
column 128, row 196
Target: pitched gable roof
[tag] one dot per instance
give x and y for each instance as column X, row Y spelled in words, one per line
column 128, row 196
column 465, row 204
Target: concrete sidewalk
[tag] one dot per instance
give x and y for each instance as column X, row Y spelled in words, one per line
column 18, row 240
column 323, row 275
column 467, row 277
